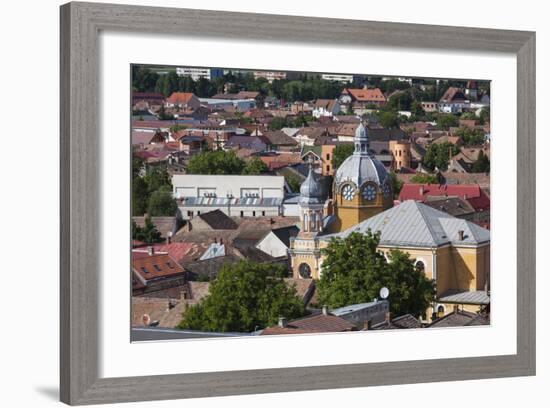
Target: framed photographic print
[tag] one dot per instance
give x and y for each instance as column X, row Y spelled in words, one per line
column 311, row 209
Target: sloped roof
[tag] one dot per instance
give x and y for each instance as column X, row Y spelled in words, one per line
column 473, row 193
column 319, row 323
column 285, row 233
column 466, row 297
column 218, row 220
column 460, row 318
column 417, row 225
column 180, row 97
column 407, row 321
column 366, row 95
column 280, row 138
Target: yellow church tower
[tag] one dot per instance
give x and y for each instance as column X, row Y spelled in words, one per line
column 362, row 186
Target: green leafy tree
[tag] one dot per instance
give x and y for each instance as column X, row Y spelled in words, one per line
column 148, row 233
column 396, row 184
column 277, row 123
column 482, row 164
column 255, row 166
column 354, row 271
column 471, row 137
column 176, row 128
column 484, row 115
column 158, row 177
column 162, row 203
column 140, row 196
column 424, row 179
column 215, row 162
column 388, row 118
column 438, row 154
column 293, row 182
column 446, row 120
column 341, row 153
column 245, row 296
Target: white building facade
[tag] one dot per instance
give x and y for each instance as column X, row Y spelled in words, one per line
column 235, row 195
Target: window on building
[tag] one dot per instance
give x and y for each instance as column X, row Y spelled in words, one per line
column 253, row 213
column 440, row 311
column 420, row 266
column 156, row 267
column 242, row 213
column 263, row 213
column 328, row 156
column 328, row 169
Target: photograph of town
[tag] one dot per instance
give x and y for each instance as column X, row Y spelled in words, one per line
column 277, row 203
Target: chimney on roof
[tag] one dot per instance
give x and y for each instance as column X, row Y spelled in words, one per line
column 282, row 322
column 421, row 190
column 150, row 250
column 271, row 221
column 461, row 235
column 325, row 310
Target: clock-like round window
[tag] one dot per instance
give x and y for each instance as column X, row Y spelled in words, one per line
column 386, row 189
column 305, row 270
column 369, row 192
column 348, row 192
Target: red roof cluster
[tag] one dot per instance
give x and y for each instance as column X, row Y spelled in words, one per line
column 473, row 193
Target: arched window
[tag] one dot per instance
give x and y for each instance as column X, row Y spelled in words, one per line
column 420, row 266
column 440, row 311
column 306, row 222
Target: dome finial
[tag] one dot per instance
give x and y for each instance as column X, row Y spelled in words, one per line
column 361, row 141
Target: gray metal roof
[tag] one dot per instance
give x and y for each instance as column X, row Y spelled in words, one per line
column 311, row 190
column 470, row 297
column 414, row 224
column 353, row 308
column 222, row 201
column 361, row 167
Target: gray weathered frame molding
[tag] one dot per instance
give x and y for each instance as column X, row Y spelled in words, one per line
column 80, row 26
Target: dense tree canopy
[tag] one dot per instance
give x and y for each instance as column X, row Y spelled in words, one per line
column 396, row 184
column 446, row 121
column 215, row 162
column 471, row 137
column 143, row 186
column 245, row 296
column 148, row 233
column 255, row 166
column 482, row 164
column 354, row 271
column 162, row 203
column 438, row 154
column 341, row 153
column 424, row 179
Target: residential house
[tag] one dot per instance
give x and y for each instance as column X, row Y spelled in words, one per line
column 183, row 100
column 277, row 241
column 453, row 101
column 470, row 197
column 362, row 98
column 318, row 323
column 326, row 108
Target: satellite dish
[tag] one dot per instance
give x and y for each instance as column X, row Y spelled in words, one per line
column 384, row 292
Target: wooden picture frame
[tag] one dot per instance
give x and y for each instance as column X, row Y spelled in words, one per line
column 80, row 153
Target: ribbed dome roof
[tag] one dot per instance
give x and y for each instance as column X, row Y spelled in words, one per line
column 361, row 166
column 311, row 190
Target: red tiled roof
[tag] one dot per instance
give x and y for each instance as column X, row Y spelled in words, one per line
column 179, row 97
column 155, row 266
column 367, row 95
column 320, row 323
column 470, row 192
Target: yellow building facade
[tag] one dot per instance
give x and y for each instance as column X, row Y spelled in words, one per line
column 455, row 253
